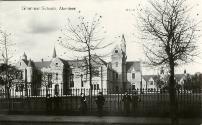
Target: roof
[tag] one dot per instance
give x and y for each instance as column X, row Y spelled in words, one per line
column 25, row 61
column 147, row 77
column 41, row 64
column 178, row 77
column 96, row 59
column 65, row 62
column 75, row 63
column 130, row 65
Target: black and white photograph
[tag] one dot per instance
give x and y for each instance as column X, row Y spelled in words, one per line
column 100, row 62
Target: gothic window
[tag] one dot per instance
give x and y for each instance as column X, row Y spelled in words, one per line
column 133, row 75
column 151, row 82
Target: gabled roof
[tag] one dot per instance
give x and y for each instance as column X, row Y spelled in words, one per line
column 25, row 61
column 65, row 62
column 131, row 64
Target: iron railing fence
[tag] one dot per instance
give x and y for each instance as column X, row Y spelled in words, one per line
column 150, row 103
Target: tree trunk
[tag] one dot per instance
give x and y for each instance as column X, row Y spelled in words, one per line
column 173, row 98
column 90, row 77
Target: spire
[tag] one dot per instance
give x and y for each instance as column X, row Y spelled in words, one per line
column 30, row 63
column 54, row 53
column 24, row 56
column 123, row 44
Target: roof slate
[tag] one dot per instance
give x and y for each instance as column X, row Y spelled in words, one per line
column 41, row 64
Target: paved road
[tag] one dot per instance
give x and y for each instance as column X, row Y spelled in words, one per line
column 89, row 120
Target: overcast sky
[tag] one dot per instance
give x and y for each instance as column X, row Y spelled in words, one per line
column 35, row 32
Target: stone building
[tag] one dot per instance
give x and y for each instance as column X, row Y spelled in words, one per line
column 59, row 76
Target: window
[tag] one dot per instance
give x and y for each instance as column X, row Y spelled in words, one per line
column 81, row 83
column 20, row 63
column 133, row 87
column 96, row 72
column 117, row 76
column 56, row 89
column 116, row 51
column 96, row 87
column 117, row 64
column 56, row 77
column 71, row 83
column 133, row 75
column 72, row 80
column 151, row 82
column 19, row 88
column 56, row 64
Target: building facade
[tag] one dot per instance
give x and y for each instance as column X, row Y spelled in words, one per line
column 59, row 76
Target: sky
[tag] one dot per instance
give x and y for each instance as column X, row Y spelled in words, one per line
column 36, row 32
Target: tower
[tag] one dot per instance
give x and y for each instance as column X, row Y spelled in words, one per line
column 123, row 44
column 118, row 59
column 54, row 53
column 29, row 71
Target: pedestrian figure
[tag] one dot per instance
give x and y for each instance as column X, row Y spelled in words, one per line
column 126, row 102
column 48, row 104
column 100, row 102
column 56, row 103
column 83, row 105
column 135, row 100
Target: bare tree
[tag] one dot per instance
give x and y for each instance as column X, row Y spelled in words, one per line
column 46, row 81
column 7, row 71
column 6, row 45
column 86, row 37
column 170, row 39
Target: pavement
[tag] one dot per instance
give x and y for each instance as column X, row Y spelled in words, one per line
column 90, row 120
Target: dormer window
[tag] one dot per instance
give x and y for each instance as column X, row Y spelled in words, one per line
column 116, row 51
